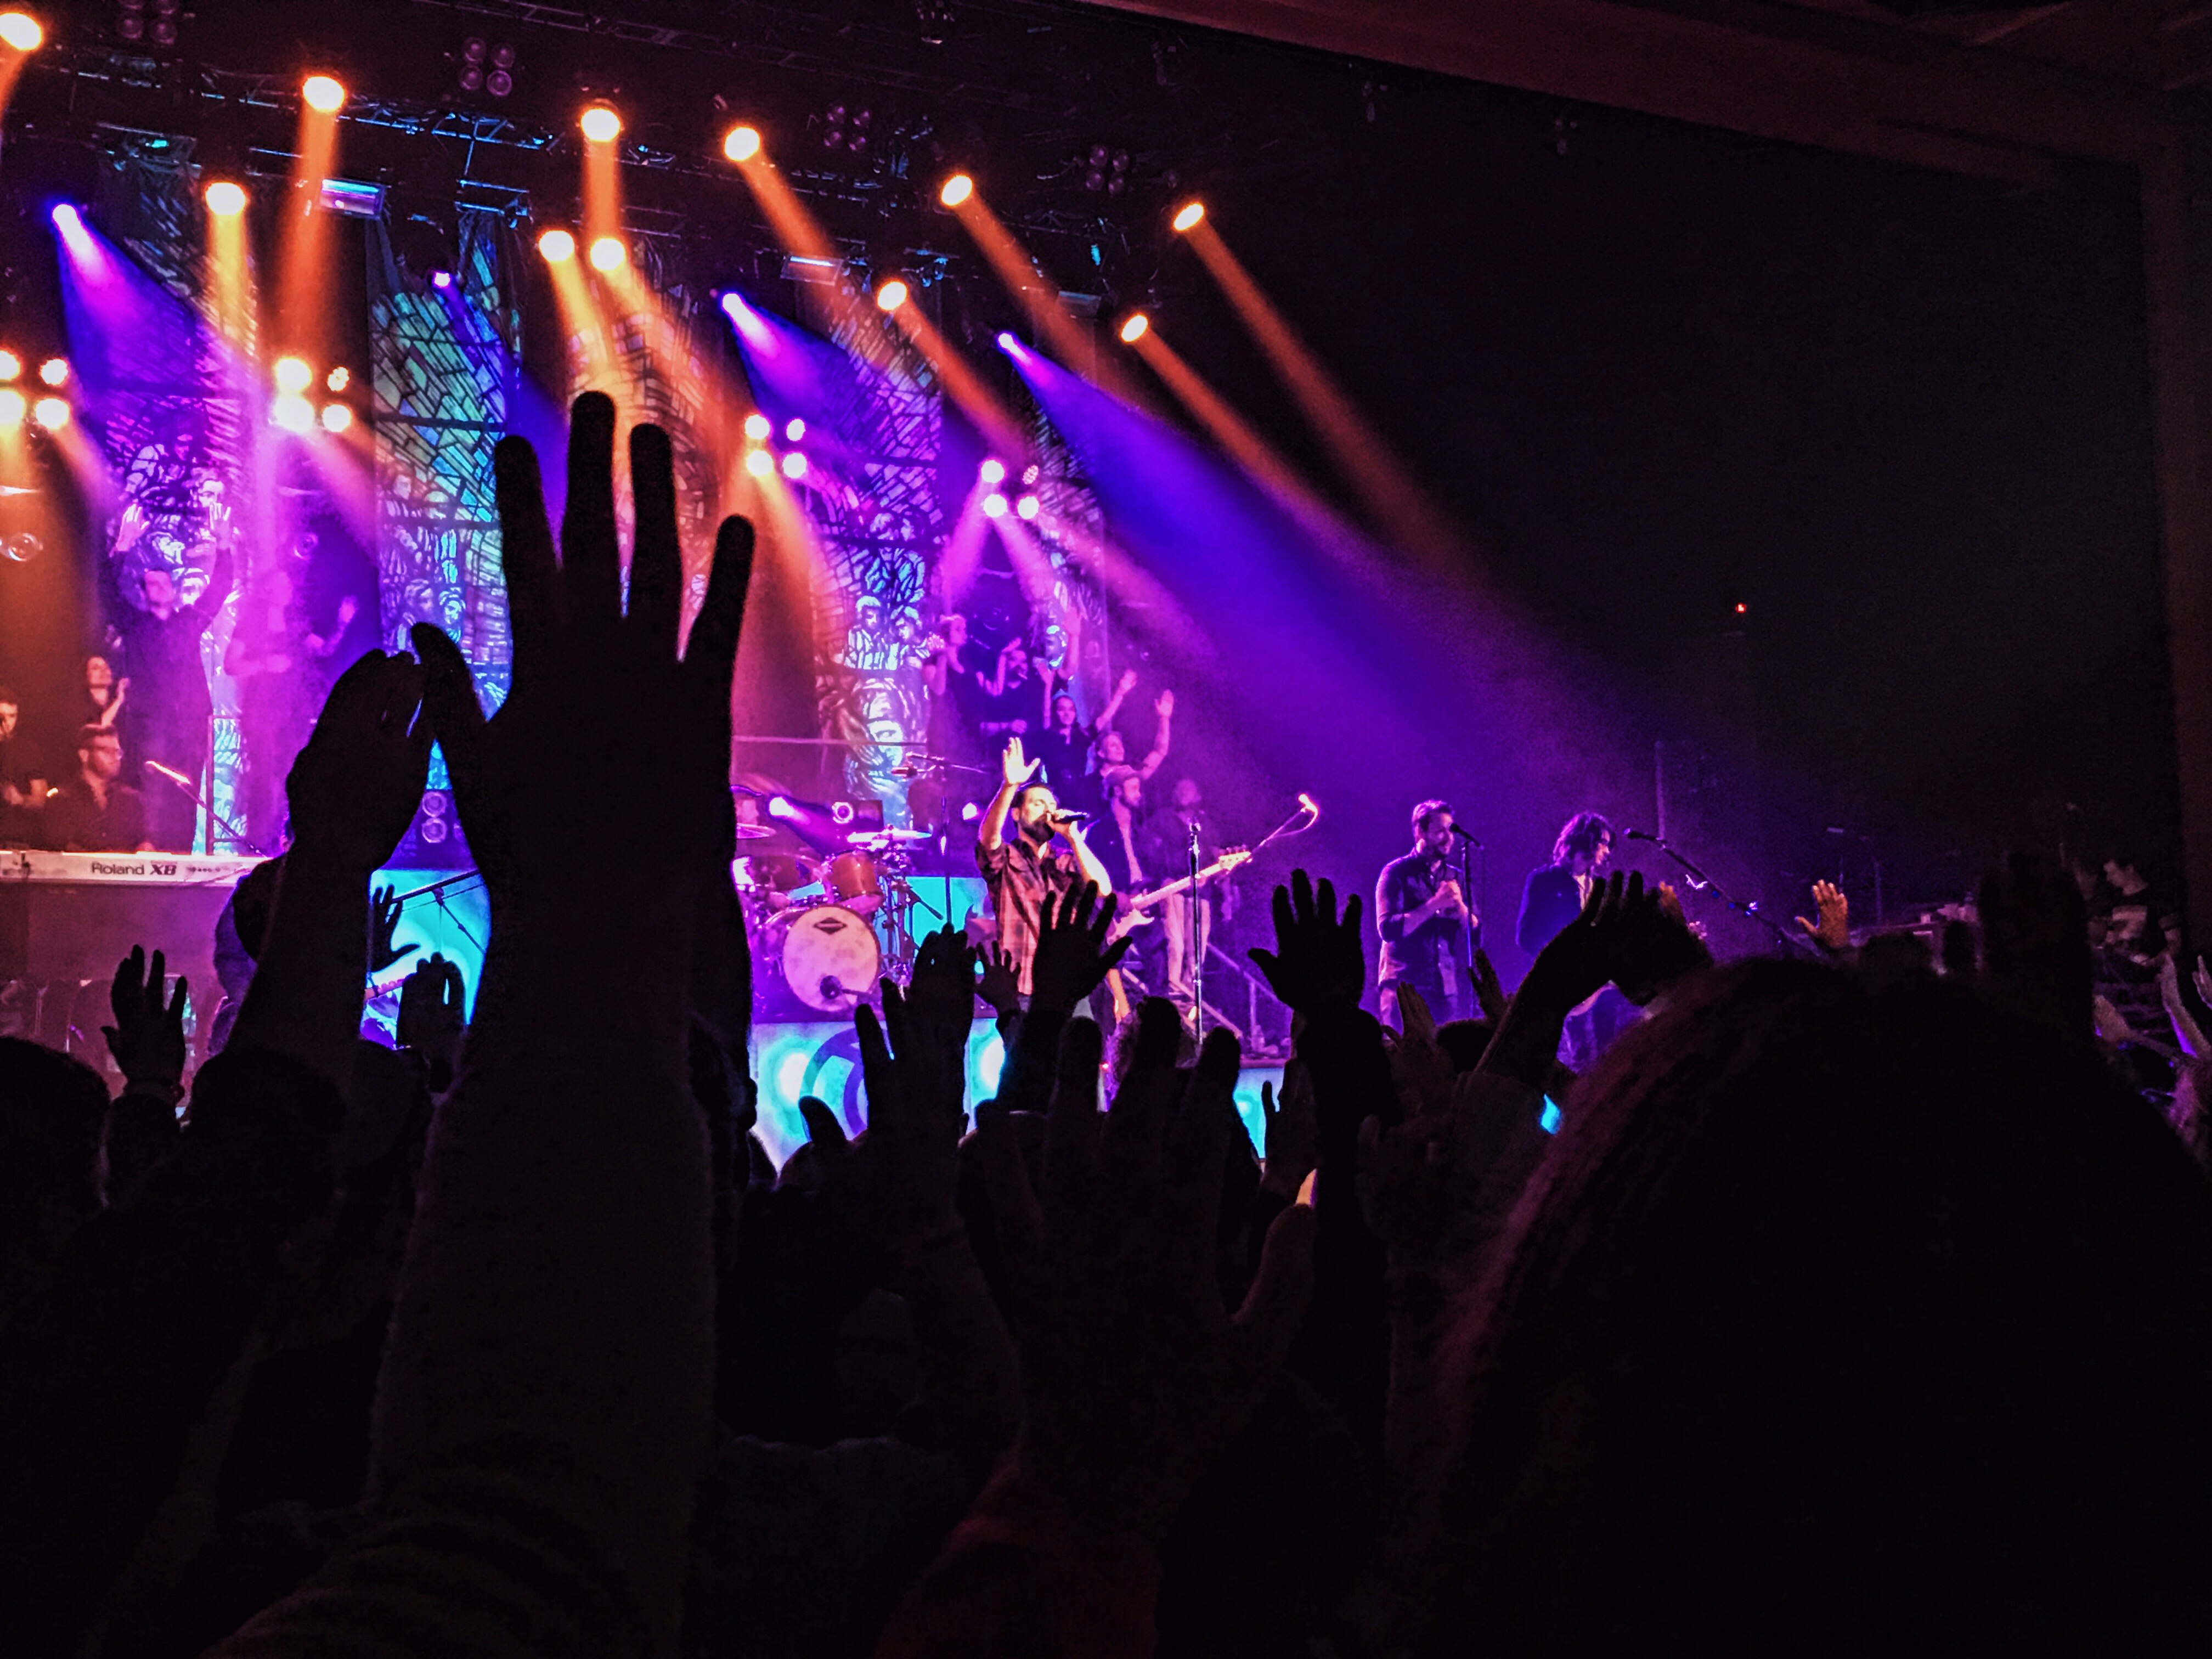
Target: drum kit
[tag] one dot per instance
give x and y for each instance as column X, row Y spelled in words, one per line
column 833, row 924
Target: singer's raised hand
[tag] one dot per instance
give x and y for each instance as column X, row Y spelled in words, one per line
column 1017, row 771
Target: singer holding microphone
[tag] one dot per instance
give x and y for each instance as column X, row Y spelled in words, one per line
column 1426, row 921
column 1023, row 869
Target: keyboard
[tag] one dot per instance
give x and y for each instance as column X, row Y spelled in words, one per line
column 125, row 869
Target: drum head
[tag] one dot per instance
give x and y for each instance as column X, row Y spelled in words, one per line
column 830, row 958
column 852, row 878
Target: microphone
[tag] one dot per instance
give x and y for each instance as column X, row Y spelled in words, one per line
column 1071, row 817
column 1636, row 835
column 1464, row 836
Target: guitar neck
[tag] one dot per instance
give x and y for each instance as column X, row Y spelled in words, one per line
column 1182, row 884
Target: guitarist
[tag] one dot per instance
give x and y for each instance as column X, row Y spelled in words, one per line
column 1188, row 917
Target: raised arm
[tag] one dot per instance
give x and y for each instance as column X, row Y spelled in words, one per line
column 546, row 1394
column 1122, row 686
column 1165, row 709
column 204, row 609
column 353, row 791
column 1014, row 772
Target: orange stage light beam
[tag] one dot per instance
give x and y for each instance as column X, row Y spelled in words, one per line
column 1229, row 428
column 230, row 269
column 961, row 383
column 303, row 253
column 1401, row 507
column 1070, row 340
column 581, row 317
column 802, row 235
column 603, row 201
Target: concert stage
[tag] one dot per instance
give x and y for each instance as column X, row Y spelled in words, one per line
column 822, row 1058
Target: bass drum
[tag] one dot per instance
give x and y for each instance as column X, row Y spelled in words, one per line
column 830, row 958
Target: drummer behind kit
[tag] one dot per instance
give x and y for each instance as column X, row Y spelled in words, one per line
column 825, row 940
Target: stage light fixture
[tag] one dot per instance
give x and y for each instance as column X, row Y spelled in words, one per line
column 608, row 253
column 958, row 189
column 1189, row 215
column 338, row 379
column 994, row 506
column 225, row 200
column 325, row 93
column 741, row 143
column 794, row 465
column 20, row 30
column 292, row 412
column 55, row 372
column 891, row 296
column 758, row 426
column 759, row 463
column 1133, row 330
column 1028, row 506
column 1031, row 473
column 994, row 471
column 557, row 245
column 600, row 124
column 12, row 407
column 336, row 417
column 11, row 366
column 51, row 413
column 1008, row 343
column 292, row 374
column 794, row 430
column 442, row 280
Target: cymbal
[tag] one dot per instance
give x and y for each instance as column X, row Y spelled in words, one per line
column 754, row 832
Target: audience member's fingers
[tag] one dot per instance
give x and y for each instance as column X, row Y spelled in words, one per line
column 591, row 553
column 656, row 559
column 177, row 1002
column 824, row 1133
column 449, row 696
column 526, row 562
column 712, row 651
column 876, row 1074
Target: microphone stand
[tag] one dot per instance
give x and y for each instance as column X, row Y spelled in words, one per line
column 204, row 806
column 1196, row 956
column 1469, row 847
column 1702, row 883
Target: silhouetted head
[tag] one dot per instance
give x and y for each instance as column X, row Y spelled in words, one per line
column 1846, row 1317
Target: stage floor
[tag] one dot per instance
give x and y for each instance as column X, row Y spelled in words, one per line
column 822, row 1058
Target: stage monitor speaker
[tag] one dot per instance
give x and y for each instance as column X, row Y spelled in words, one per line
column 434, row 841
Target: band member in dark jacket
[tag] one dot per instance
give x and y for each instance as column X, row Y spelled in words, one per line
column 1554, row 896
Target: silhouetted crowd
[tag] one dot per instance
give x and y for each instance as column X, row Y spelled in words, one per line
column 1859, row 1304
